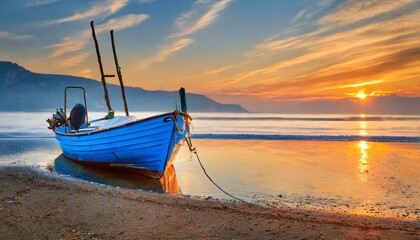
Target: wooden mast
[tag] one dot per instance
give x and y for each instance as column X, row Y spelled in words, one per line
column 108, row 104
column 118, row 68
column 183, row 100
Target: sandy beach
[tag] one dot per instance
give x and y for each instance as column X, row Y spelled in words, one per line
column 35, row 204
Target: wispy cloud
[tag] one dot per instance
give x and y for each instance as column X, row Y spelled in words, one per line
column 73, row 60
column 87, row 73
column 35, row 3
column 219, row 70
column 312, row 9
column 202, row 14
column 358, row 85
column 355, row 11
column 121, row 23
column 101, row 10
column 299, row 16
column 14, row 37
column 165, row 52
column 69, row 45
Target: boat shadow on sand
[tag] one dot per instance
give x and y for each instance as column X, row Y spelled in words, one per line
column 118, row 177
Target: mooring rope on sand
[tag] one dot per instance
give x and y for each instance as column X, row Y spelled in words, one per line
column 193, row 150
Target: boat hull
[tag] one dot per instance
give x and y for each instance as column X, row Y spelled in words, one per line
column 150, row 144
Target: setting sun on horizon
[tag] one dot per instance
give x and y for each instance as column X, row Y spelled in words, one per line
column 361, row 95
column 248, row 52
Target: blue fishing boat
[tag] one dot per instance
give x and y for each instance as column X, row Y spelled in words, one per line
column 125, row 141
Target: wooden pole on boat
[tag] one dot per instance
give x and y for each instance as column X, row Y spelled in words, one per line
column 183, row 100
column 118, row 68
column 108, row 103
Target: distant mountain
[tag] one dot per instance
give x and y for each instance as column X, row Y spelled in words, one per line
column 23, row 90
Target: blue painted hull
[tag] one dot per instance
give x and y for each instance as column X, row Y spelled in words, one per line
column 149, row 144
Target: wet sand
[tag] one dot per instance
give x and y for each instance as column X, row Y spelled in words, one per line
column 35, row 204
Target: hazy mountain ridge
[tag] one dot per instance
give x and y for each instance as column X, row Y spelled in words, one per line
column 23, row 90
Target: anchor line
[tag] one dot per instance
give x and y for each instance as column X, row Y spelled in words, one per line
column 193, row 150
column 187, row 137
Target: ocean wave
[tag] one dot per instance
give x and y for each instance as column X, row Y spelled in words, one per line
column 327, row 119
column 26, row 135
column 309, row 137
column 5, row 135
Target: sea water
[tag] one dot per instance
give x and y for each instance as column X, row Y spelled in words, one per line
column 401, row 128
column 353, row 164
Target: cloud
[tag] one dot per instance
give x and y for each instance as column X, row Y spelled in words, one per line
column 102, row 10
column 121, row 23
column 35, row 3
column 355, row 11
column 165, row 52
column 299, row 16
column 218, row 70
column 69, row 45
column 312, row 9
column 73, row 60
column 14, row 37
column 202, row 14
column 87, row 73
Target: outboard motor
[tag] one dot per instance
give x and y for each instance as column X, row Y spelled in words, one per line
column 77, row 116
column 58, row 119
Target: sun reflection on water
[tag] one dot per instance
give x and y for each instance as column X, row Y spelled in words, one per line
column 363, row 127
column 363, row 161
column 363, row 133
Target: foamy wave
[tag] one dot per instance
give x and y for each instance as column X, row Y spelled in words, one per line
column 327, row 119
column 26, row 135
column 253, row 137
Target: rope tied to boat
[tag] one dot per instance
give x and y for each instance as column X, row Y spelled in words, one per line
column 187, row 136
column 185, row 131
column 194, row 150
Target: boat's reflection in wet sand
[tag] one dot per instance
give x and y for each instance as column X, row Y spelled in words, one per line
column 118, row 177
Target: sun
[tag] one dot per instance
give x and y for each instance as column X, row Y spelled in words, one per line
column 361, row 95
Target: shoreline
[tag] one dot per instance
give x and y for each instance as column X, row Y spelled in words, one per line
column 37, row 204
